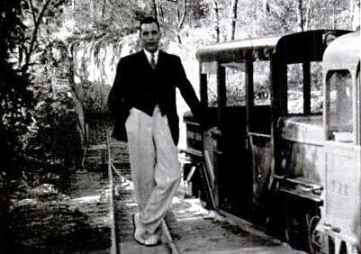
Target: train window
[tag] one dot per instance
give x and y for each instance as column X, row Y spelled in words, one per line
column 210, row 68
column 212, row 89
column 339, row 106
column 261, row 80
column 235, row 84
column 294, row 91
column 316, row 88
column 299, row 76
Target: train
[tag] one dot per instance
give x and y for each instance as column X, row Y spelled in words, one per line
column 284, row 149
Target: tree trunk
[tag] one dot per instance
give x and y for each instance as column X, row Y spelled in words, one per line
column 334, row 14
column 352, row 14
column 104, row 9
column 266, row 7
column 73, row 10
column 92, row 12
column 308, row 15
column 155, row 9
column 234, row 19
column 217, row 28
column 181, row 19
column 161, row 12
column 34, row 36
column 300, row 15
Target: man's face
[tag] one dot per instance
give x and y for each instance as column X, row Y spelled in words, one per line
column 150, row 36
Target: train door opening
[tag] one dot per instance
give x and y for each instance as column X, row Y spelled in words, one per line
column 237, row 95
column 258, row 129
column 226, row 95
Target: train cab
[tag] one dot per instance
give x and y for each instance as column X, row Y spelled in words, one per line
column 284, row 151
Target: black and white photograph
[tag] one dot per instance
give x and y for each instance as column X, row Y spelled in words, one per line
column 180, row 127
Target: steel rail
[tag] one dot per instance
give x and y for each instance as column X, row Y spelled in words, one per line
column 115, row 249
column 165, row 229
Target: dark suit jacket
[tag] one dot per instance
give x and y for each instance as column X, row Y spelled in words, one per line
column 137, row 85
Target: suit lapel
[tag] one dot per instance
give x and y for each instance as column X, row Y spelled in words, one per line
column 143, row 60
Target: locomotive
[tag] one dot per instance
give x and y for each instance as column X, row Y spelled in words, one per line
column 284, row 150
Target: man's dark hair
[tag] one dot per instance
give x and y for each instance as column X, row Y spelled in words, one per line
column 149, row 20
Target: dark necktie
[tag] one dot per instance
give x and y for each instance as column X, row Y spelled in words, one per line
column 152, row 61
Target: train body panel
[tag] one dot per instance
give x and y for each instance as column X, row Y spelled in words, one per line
column 302, row 148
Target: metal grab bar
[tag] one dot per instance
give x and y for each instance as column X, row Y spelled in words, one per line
column 259, row 135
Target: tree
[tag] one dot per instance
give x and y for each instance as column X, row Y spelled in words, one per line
column 181, row 16
column 311, row 14
column 15, row 100
column 21, row 50
column 169, row 10
column 106, row 16
column 303, row 14
column 234, row 18
column 155, row 9
column 15, row 96
column 35, row 13
column 217, row 23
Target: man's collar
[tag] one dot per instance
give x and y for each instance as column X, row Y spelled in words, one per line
column 149, row 54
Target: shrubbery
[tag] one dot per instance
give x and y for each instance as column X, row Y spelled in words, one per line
column 38, row 126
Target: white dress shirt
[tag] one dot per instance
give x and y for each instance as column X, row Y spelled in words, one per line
column 149, row 56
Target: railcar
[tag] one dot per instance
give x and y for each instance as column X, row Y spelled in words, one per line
column 284, row 152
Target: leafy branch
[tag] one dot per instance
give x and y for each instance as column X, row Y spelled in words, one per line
column 37, row 20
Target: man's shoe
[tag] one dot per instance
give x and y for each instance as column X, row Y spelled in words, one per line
column 137, row 237
column 150, row 240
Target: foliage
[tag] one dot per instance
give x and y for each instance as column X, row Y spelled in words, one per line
column 39, row 128
column 28, row 28
column 25, row 29
column 87, row 17
column 16, row 98
column 42, row 21
column 24, row 49
column 15, row 102
column 56, row 139
column 26, row 156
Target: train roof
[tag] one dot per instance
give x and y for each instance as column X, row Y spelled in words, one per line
column 307, row 45
column 228, row 51
column 345, row 52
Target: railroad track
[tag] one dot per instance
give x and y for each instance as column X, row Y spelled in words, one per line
column 115, row 173
column 196, row 233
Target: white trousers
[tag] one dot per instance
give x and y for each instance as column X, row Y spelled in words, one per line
column 154, row 165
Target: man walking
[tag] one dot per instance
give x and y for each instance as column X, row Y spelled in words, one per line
column 143, row 103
